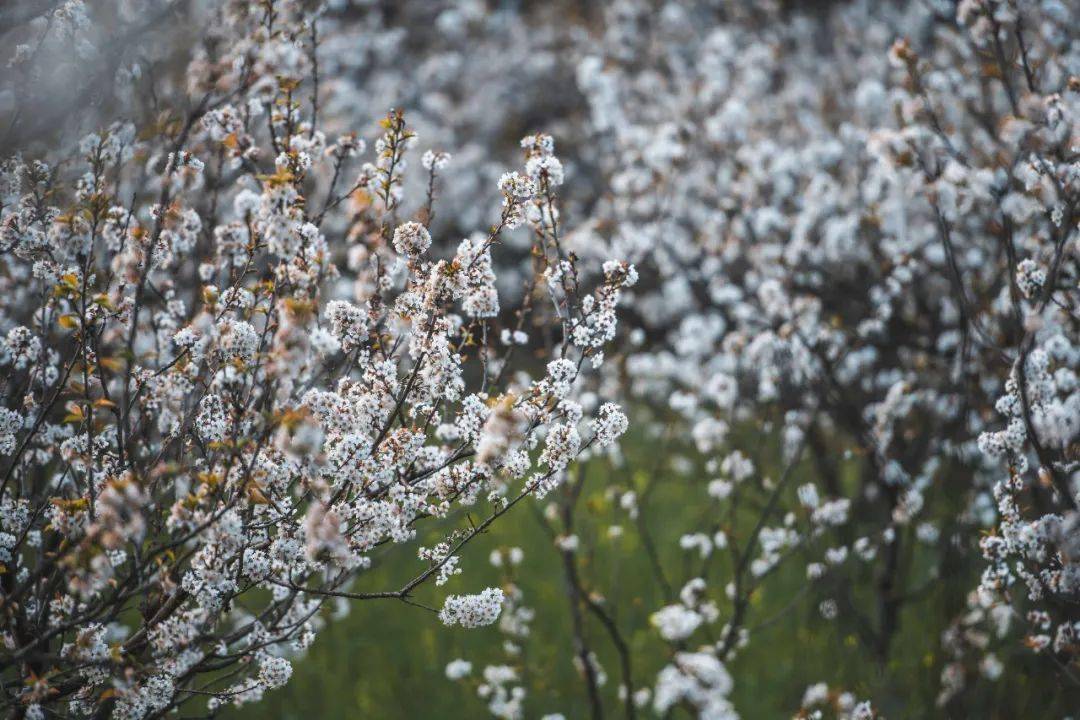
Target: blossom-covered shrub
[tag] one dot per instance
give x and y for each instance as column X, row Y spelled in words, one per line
column 236, row 366
column 246, row 353
column 846, row 225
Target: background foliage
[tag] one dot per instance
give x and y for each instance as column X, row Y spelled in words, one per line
column 369, row 663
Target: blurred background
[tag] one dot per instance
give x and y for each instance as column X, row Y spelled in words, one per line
column 379, row 662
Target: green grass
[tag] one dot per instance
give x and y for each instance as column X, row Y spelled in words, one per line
column 386, row 659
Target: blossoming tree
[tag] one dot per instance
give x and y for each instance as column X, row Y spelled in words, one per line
column 232, row 375
column 246, row 356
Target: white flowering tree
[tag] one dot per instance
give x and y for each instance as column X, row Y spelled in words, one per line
column 235, row 368
column 245, row 356
column 861, row 249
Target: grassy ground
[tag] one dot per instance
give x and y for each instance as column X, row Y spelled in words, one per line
column 386, row 660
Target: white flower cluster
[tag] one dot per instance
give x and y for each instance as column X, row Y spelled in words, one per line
column 472, row 611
